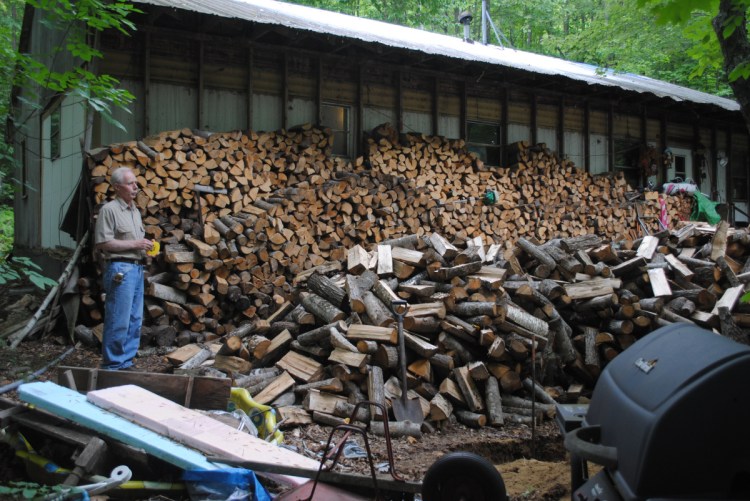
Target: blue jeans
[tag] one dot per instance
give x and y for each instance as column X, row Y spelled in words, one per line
column 123, row 315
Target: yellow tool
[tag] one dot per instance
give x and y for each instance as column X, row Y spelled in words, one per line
column 262, row 416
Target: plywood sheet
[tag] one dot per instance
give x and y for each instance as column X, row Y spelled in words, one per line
column 193, row 428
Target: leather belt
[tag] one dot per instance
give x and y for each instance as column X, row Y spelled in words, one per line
column 140, row 262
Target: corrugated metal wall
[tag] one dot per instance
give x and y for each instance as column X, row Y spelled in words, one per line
column 483, row 109
column 546, row 116
column 60, row 175
column 626, row 126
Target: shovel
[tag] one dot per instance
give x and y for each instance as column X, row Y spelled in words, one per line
column 404, row 409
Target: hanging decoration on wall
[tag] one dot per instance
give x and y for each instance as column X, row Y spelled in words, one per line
column 649, row 161
column 668, row 158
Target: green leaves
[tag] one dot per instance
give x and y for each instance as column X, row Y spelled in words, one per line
column 75, row 21
column 20, row 267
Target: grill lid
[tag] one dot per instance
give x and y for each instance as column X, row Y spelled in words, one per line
column 674, row 409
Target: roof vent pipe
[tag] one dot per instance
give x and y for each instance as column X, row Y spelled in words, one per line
column 465, row 18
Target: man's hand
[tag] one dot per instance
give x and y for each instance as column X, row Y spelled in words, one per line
column 126, row 245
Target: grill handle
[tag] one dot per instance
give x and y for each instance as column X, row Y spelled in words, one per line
column 585, row 442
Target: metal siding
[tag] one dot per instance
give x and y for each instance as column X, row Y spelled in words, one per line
column 598, row 122
column 417, row 122
column 373, row 116
column 518, row 132
column 176, row 70
column 107, row 133
column 379, row 96
column 547, row 136
column 679, row 134
column 172, row 107
column 301, row 86
column 721, row 172
column 339, row 91
column 224, row 76
column 740, row 142
column 60, row 177
column 449, row 105
column 266, row 81
column 301, row 111
column 599, row 154
column 26, row 212
column 546, row 116
column 224, row 110
column 653, row 131
column 266, row 112
column 573, row 118
column 121, row 64
column 721, row 183
column 739, row 156
column 483, row 110
column 704, row 137
column 626, row 126
column 574, row 148
column 449, row 126
column 414, row 100
column 519, row 113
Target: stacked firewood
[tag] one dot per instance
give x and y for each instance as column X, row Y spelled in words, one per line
column 238, row 215
column 283, row 252
column 482, row 320
column 538, row 195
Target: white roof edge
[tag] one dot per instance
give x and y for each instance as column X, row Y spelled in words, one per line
column 368, row 30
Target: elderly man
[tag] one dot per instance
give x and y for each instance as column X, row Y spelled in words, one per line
column 120, row 235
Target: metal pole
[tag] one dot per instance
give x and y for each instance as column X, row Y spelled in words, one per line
column 484, row 22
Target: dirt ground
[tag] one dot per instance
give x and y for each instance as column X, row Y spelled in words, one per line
column 533, row 470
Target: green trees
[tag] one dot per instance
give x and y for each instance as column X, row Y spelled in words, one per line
column 622, row 35
column 728, row 46
column 10, row 28
column 39, row 75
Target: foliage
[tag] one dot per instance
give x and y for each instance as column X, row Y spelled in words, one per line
column 31, row 490
column 722, row 31
column 6, row 231
column 608, row 34
column 18, row 267
column 10, row 27
column 78, row 21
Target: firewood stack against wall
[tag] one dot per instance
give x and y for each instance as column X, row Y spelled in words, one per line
column 293, row 270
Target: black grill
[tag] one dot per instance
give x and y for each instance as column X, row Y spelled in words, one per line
column 670, row 419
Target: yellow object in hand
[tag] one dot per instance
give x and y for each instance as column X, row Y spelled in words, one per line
column 154, row 250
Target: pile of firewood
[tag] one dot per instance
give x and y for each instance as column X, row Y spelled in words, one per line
column 481, row 320
column 239, row 215
column 291, row 258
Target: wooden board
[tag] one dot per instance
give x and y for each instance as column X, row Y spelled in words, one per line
column 195, row 429
column 206, row 393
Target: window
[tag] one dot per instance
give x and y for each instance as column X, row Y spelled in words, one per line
column 679, row 167
column 626, row 160
column 55, row 137
column 338, row 118
column 484, row 140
